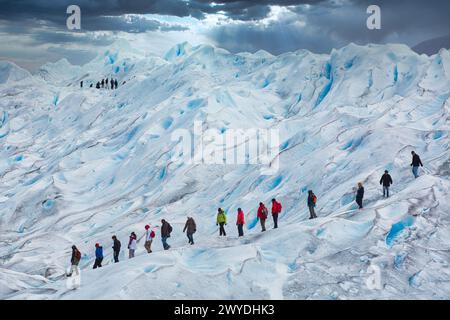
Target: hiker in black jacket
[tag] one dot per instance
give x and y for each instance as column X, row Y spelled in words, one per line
column 416, row 162
column 74, row 261
column 166, row 229
column 116, row 248
column 386, row 181
column 311, row 202
column 360, row 195
column 191, row 228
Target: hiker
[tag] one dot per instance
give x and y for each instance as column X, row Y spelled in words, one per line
column 360, row 195
column 386, row 181
column 74, row 261
column 106, row 82
column 98, row 85
column 166, row 229
column 416, row 162
column 240, row 222
column 98, row 256
column 103, row 83
column 112, row 84
column 132, row 244
column 221, row 221
column 81, row 84
column 116, row 249
column 116, row 83
column 312, row 200
column 190, row 228
column 276, row 210
column 262, row 216
column 149, row 235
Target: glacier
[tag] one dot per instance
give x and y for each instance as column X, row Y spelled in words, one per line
column 79, row 165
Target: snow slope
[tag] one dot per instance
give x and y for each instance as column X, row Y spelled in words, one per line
column 77, row 166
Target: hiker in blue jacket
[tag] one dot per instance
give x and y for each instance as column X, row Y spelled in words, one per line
column 98, row 256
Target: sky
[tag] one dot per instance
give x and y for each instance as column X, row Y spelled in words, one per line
column 33, row 32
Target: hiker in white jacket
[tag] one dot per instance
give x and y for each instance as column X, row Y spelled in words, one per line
column 132, row 244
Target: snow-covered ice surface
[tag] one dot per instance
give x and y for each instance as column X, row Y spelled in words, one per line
column 77, row 166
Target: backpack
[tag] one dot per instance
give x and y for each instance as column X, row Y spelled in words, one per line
column 170, row 229
column 77, row 255
column 278, row 207
column 264, row 213
column 152, row 234
column 314, row 198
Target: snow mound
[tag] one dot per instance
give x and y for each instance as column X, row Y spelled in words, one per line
column 59, row 71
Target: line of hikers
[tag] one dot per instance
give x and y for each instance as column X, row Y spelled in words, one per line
column 105, row 83
column 386, row 180
column 262, row 215
column 190, row 226
column 166, row 229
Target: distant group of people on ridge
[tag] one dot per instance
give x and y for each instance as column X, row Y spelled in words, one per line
column 105, row 83
column 190, row 226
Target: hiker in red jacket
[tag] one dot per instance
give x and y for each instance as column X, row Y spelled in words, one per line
column 240, row 222
column 262, row 215
column 276, row 210
column 149, row 235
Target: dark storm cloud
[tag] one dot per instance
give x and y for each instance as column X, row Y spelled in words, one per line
column 131, row 24
column 339, row 18
column 29, row 17
column 55, row 11
column 334, row 24
column 247, row 10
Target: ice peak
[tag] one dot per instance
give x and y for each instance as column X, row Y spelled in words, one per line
column 9, row 71
column 180, row 49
